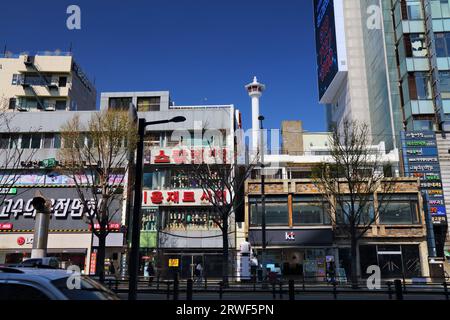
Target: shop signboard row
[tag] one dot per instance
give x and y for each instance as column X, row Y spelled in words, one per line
column 421, row 160
column 17, row 212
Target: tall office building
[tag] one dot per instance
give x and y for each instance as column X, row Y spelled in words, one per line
column 387, row 62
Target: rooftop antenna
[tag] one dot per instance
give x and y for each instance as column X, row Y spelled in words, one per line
column 4, row 50
column 70, row 47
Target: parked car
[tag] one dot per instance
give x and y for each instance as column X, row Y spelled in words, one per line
column 49, row 284
column 51, row 262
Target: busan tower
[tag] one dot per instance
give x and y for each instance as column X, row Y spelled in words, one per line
column 255, row 90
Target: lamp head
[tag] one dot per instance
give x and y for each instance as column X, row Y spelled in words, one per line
column 41, row 203
column 178, row 119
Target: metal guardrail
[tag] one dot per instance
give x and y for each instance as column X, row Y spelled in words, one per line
column 279, row 289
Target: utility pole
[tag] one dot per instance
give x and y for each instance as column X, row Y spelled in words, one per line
column 263, row 196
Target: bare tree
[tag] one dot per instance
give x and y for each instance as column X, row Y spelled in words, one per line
column 349, row 182
column 95, row 155
column 12, row 156
column 222, row 180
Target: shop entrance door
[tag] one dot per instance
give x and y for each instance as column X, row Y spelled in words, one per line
column 390, row 264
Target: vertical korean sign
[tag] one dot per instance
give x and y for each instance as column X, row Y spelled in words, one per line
column 421, row 160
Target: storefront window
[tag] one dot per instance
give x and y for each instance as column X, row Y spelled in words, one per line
column 149, row 219
column 182, row 219
column 276, row 211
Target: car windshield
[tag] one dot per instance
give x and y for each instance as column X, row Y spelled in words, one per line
column 87, row 290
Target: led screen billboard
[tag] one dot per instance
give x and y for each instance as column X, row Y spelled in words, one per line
column 326, row 44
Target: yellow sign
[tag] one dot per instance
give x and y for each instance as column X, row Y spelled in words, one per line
column 174, row 263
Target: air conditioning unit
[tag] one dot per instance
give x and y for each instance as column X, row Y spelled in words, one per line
column 29, row 60
column 50, row 107
column 20, row 107
column 54, row 83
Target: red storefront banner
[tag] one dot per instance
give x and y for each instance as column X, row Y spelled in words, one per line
column 93, row 262
column 185, row 155
column 182, row 197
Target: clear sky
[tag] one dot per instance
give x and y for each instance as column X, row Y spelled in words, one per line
column 202, row 51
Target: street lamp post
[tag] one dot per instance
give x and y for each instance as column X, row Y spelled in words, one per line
column 263, row 197
column 137, row 202
column 40, row 238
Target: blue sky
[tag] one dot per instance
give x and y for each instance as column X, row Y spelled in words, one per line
column 202, row 51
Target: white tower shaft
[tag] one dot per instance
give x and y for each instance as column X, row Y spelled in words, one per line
column 255, row 123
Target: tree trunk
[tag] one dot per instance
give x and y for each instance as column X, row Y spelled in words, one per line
column 225, row 253
column 101, row 253
column 354, row 258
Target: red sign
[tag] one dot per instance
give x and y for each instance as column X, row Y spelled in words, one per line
column 111, row 226
column 185, row 155
column 93, row 262
column 20, row 241
column 182, row 197
column 6, row 226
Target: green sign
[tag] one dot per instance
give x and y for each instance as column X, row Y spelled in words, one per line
column 148, row 239
column 49, row 163
column 8, row 191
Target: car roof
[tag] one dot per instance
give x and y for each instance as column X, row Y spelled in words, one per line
column 49, row 274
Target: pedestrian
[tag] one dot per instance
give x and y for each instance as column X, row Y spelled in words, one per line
column 198, row 273
column 151, row 273
column 112, row 269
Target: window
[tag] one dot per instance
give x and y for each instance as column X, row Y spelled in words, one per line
column 47, row 141
column 21, row 292
column 344, row 212
column 25, row 142
column 57, row 141
column 423, row 86
column 61, row 105
column 442, row 41
column 120, row 103
column 145, row 104
column 14, row 141
column 444, row 77
column 414, row 9
column 15, row 79
column 62, row 82
column 422, row 125
column 32, row 141
column 276, row 211
column 4, row 141
column 399, row 212
column 35, row 141
column 12, row 103
column 306, row 213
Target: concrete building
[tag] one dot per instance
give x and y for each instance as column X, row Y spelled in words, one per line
column 37, row 135
column 387, row 63
column 302, row 237
column 46, row 81
column 178, row 230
